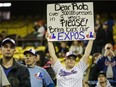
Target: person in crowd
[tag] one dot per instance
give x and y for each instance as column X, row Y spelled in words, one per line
column 62, row 49
column 110, row 23
column 3, row 79
column 102, row 80
column 76, row 47
column 93, row 70
column 17, row 74
column 71, row 75
column 100, row 40
column 108, row 34
column 39, row 31
column 107, row 62
column 45, row 62
column 3, row 35
column 39, row 76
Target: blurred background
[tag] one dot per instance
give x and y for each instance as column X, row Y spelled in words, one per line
column 25, row 21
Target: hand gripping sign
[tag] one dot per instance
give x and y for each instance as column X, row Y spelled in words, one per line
column 70, row 21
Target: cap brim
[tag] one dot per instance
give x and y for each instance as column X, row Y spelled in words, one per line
column 8, row 41
column 73, row 56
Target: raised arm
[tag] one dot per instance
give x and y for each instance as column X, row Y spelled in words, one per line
column 52, row 52
column 87, row 51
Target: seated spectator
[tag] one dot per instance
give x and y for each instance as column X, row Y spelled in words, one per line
column 99, row 42
column 45, row 63
column 62, row 49
column 94, row 68
column 102, row 80
column 107, row 63
column 76, row 47
column 17, row 74
column 3, row 35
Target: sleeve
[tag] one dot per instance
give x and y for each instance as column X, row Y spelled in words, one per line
column 5, row 81
column 25, row 78
column 47, row 79
column 57, row 67
column 82, row 66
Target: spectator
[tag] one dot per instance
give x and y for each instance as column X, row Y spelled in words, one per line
column 45, row 63
column 39, row 76
column 102, row 80
column 40, row 30
column 99, row 42
column 3, row 79
column 93, row 70
column 107, row 62
column 71, row 75
column 3, row 35
column 62, row 49
column 110, row 23
column 17, row 74
column 76, row 47
column 108, row 34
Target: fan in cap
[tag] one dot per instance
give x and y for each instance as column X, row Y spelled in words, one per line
column 32, row 51
column 102, row 73
column 71, row 55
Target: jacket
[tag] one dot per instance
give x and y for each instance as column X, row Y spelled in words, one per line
column 19, row 75
column 108, row 84
column 102, row 65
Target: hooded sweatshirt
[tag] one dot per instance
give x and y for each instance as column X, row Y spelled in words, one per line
column 108, row 84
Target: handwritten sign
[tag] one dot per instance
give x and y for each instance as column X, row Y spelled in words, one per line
column 70, row 21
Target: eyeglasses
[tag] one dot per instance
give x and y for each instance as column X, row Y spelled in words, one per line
column 71, row 57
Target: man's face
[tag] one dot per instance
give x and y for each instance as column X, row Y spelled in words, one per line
column 8, row 50
column 70, row 61
column 101, row 78
column 30, row 59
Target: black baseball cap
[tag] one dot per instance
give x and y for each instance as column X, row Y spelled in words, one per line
column 6, row 40
column 102, row 73
column 32, row 51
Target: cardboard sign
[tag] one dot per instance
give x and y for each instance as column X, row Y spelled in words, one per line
column 70, row 21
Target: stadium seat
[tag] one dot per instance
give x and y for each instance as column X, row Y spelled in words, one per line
column 29, row 47
column 19, row 49
column 40, row 48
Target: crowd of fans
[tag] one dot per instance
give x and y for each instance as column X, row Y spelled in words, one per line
column 103, row 53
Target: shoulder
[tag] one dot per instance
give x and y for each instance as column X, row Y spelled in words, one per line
column 40, row 68
column 20, row 66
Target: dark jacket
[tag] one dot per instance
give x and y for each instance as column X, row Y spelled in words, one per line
column 93, row 72
column 19, row 75
column 101, row 64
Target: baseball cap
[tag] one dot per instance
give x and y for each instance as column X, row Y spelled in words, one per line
column 32, row 51
column 102, row 73
column 70, row 53
column 8, row 40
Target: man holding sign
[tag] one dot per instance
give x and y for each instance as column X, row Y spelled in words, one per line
column 67, row 22
column 71, row 75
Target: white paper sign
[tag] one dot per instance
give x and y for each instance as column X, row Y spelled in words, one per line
column 70, row 21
